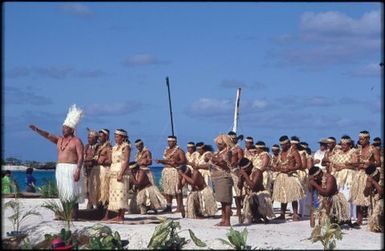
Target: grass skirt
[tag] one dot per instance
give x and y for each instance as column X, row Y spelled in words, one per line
column 170, row 180
column 104, row 184
column 339, row 208
column 118, row 192
column 66, row 185
column 236, row 190
column 94, row 185
column 260, row 201
column 287, row 188
column 150, row 198
column 376, row 218
column 357, row 196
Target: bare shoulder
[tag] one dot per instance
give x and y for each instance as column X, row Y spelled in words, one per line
column 181, row 151
column 77, row 140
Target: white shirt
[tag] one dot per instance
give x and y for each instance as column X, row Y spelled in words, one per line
column 319, row 155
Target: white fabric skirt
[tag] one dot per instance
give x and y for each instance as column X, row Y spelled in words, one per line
column 66, row 185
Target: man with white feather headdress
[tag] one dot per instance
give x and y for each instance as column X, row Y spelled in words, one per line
column 68, row 173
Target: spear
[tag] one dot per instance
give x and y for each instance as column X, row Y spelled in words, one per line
column 169, row 102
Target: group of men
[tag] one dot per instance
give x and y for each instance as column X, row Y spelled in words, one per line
column 251, row 177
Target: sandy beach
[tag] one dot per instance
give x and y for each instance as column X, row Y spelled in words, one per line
column 288, row 235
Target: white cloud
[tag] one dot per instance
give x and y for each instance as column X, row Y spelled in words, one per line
column 114, row 109
column 211, row 107
column 143, row 59
column 370, row 70
column 55, row 72
column 76, row 9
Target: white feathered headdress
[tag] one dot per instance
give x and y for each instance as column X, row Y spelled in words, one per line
column 73, row 116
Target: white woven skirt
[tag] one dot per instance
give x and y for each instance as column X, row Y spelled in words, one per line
column 67, row 187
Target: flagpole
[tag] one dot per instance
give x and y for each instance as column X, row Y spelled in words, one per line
column 169, row 102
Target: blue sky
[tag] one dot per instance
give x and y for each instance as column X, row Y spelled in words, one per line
column 305, row 69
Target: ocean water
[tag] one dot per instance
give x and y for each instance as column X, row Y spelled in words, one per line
column 19, row 176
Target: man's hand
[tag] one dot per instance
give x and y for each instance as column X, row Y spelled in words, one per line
column 77, row 174
column 119, row 178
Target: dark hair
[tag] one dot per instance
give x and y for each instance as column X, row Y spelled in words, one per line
column 199, row 144
column 138, row 140
column 209, row 148
column 231, row 133
column 260, row 143
column 266, row 149
column 105, row 130
column 284, row 137
column 192, row 143
column 332, row 138
column 365, row 132
column 308, row 150
column 370, row 169
column 275, row 145
column 244, row 161
column 248, row 137
column 377, row 139
column 172, row 136
column 295, row 138
column 29, row 170
column 313, row 170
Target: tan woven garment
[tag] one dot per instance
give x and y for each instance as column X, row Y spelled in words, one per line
column 93, row 185
column 260, row 200
column 150, row 198
column 200, row 160
column 343, row 177
column 104, row 184
column 170, row 180
column 249, row 154
column 357, row 196
column 118, row 196
column 376, row 216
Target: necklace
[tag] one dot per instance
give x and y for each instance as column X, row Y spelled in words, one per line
column 61, row 144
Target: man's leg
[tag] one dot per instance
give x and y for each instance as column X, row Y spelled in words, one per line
column 238, row 204
column 295, row 211
column 227, row 210
column 359, row 215
column 283, row 210
column 179, row 202
column 75, row 212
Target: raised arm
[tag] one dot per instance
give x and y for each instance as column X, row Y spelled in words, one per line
column 53, row 138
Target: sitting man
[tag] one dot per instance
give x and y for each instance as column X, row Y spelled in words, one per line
column 148, row 195
column 257, row 203
column 200, row 201
column 374, row 189
column 330, row 202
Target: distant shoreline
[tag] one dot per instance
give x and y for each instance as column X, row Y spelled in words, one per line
column 22, row 168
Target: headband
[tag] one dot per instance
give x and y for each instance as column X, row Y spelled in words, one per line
column 304, row 146
column 363, row 135
column 139, row 142
column 104, row 131
column 190, row 145
column 346, row 141
column 171, row 139
column 284, row 141
column 294, row 141
column 200, row 147
column 93, row 133
column 260, row 146
column 330, row 140
column 374, row 173
column 275, row 147
column 249, row 140
column 316, row 173
column 246, row 166
column 132, row 166
column 119, row 132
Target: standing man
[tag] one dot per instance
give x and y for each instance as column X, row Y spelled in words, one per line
column 104, row 160
column 287, row 187
column 367, row 155
column 220, row 164
column 70, row 159
column 375, row 191
column 237, row 154
column 144, row 159
column 320, row 154
column 92, row 169
column 331, row 151
column 250, row 150
column 173, row 158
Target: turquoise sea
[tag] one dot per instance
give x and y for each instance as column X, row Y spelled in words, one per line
column 40, row 176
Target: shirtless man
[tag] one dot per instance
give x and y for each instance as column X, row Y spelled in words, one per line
column 148, row 196
column 330, row 152
column 375, row 191
column 367, row 155
column 323, row 186
column 249, row 150
column 173, row 158
column 70, row 159
column 200, row 201
column 104, row 159
column 257, row 204
column 144, row 159
column 287, row 187
column 237, row 154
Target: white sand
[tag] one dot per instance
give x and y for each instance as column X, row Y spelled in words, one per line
column 288, row 235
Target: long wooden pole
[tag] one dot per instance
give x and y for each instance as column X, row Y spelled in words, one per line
column 236, row 110
column 169, row 102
